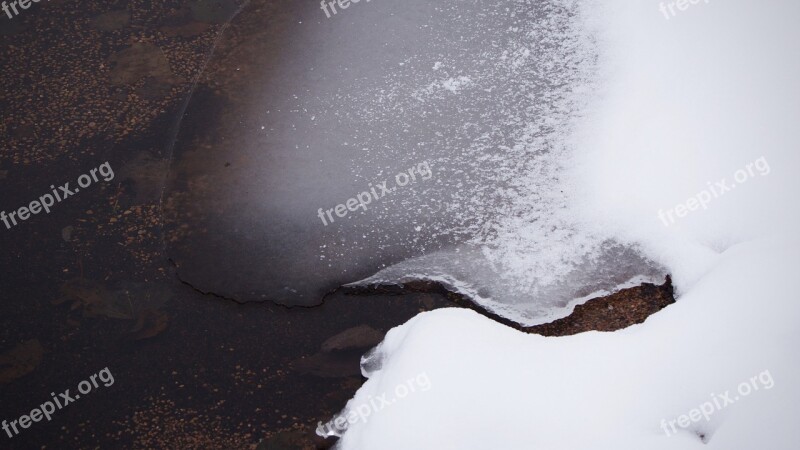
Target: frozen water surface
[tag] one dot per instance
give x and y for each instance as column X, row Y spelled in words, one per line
column 479, row 98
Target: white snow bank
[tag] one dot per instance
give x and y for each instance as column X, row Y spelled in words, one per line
column 686, row 101
column 496, row 388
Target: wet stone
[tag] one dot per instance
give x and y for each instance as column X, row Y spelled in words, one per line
column 362, row 336
column 130, row 301
column 112, row 20
column 146, row 173
column 139, row 61
column 66, row 233
column 154, row 89
column 20, row 361
column 340, row 355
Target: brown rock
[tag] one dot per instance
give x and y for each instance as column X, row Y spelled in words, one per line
column 613, row 312
column 20, row 361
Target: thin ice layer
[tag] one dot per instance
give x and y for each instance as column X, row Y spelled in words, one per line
column 514, row 78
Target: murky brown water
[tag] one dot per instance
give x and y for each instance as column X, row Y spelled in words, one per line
column 90, row 286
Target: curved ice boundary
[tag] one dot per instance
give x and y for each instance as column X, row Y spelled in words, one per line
column 468, row 272
column 515, row 78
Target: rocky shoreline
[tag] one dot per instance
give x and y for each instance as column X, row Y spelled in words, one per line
column 612, row 312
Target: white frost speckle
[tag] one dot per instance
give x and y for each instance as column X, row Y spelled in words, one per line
column 456, row 84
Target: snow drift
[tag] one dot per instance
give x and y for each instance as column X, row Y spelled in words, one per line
column 680, row 102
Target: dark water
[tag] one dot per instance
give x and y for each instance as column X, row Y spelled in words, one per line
column 91, row 285
column 276, row 141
